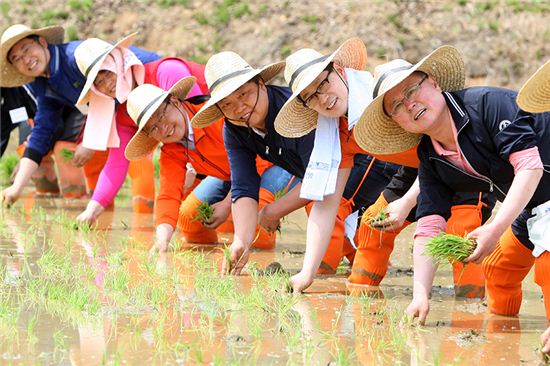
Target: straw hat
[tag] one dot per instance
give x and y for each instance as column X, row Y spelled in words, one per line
column 10, row 77
column 89, row 56
column 375, row 131
column 304, row 66
column 142, row 102
column 534, row 95
column 226, row 72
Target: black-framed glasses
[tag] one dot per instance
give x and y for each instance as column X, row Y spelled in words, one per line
column 158, row 122
column 321, row 89
column 398, row 106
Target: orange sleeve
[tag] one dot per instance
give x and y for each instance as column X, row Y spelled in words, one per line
column 407, row 158
column 173, row 169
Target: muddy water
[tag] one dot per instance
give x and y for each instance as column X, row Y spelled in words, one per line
column 190, row 316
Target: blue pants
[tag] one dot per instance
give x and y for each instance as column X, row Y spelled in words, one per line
column 214, row 190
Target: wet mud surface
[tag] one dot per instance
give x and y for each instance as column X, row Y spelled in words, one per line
column 94, row 297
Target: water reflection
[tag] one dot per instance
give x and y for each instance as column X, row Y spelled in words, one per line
column 93, row 297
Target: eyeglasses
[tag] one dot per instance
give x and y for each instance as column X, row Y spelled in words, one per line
column 23, row 52
column 398, row 106
column 154, row 129
column 321, row 89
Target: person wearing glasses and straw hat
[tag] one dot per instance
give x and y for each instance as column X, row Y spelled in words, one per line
column 39, row 57
column 164, row 117
column 474, row 139
column 334, row 91
column 112, row 71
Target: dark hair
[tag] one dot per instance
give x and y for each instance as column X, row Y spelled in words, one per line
column 256, row 79
column 34, row 37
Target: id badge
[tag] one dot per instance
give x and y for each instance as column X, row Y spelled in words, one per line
column 19, row 115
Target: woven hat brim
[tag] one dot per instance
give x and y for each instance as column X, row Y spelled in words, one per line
column 140, row 144
column 296, row 120
column 534, row 95
column 85, row 93
column 377, row 133
column 210, row 113
column 9, row 76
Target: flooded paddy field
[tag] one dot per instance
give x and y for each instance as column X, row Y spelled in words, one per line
column 95, row 297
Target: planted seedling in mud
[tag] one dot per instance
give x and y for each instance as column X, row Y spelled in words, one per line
column 204, row 212
column 66, row 155
column 450, row 247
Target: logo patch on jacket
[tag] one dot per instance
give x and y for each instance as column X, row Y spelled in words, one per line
column 503, row 124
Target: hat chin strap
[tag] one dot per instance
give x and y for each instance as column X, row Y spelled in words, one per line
column 253, row 109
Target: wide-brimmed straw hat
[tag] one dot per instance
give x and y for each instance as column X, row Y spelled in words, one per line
column 375, row 131
column 9, row 76
column 142, row 102
column 534, row 95
column 226, row 72
column 304, row 66
column 90, row 55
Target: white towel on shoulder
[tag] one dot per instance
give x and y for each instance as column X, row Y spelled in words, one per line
column 322, row 170
column 361, row 87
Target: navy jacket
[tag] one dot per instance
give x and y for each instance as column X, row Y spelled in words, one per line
column 243, row 144
column 490, row 127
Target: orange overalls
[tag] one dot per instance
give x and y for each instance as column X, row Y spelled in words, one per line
column 375, row 247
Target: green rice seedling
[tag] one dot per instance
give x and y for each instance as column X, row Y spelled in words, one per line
column 450, row 247
column 380, row 216
column 204, row 212
column 66, row 155
column 7, row 166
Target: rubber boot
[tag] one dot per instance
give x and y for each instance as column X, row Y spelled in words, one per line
column 542, row 278
column 71, row 178
column 374, row 248
column 142, row 173
column 504, row 270
column 93, row 168
column 469, row 279
column 227, row 226
column 264, row 239
column 44, row 178
column 192, row 229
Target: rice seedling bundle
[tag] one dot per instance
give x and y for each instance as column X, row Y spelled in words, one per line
column 67, row 155
column 204, row 212
column 450, row 247
column 381, row 216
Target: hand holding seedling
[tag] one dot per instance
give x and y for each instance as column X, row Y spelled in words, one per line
column 486, row 238
column 392, row 216
column 82, row 155
column 235, row 258
column 91, row 213
column 269, row 222
column 10, row 195
column 300, row 281
column 418, row 308
column 220, row 213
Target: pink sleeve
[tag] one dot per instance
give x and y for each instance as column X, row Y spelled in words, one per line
column 171, row 71
column 528, row 159
column 114, row 172
column 430, row 226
